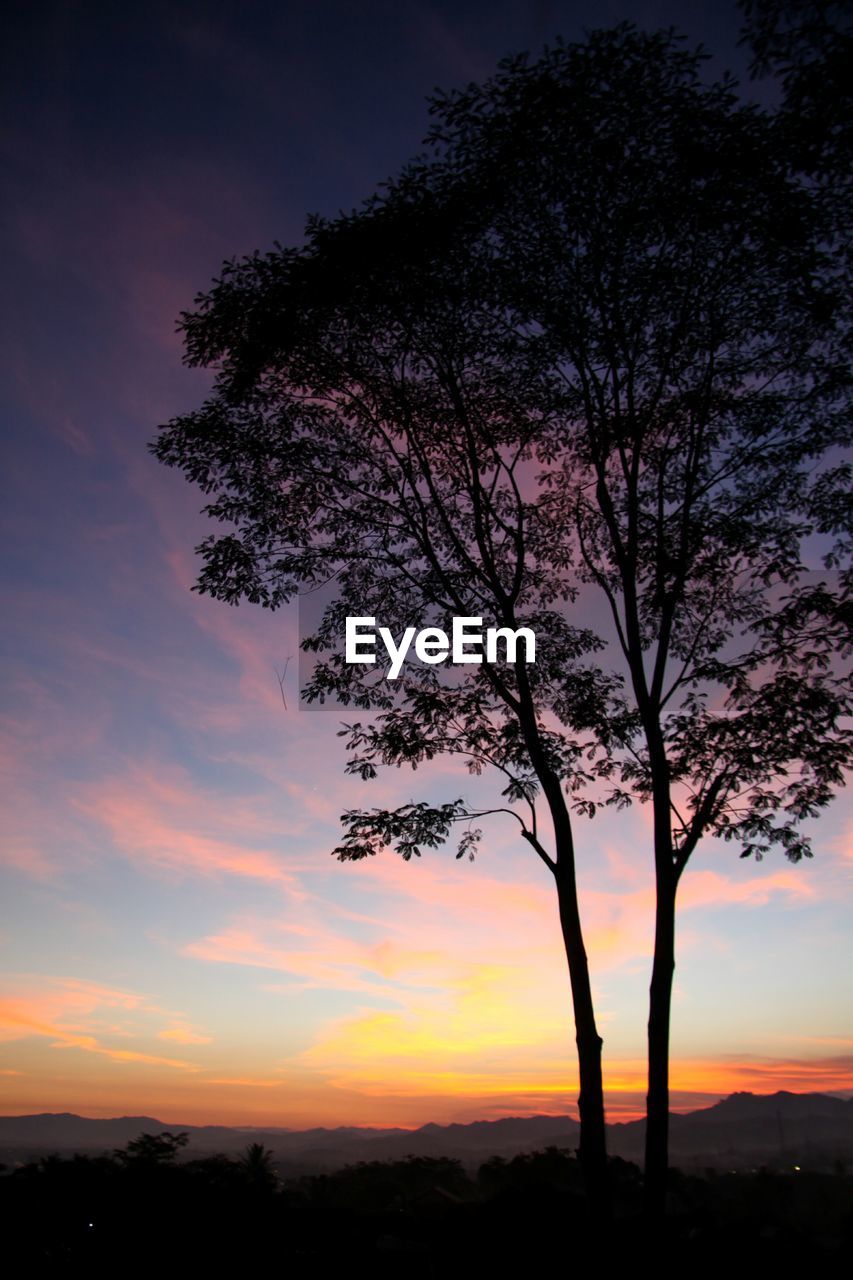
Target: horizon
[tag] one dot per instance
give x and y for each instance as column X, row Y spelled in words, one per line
column 211, row 1124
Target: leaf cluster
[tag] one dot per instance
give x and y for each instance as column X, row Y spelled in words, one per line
column 594, row 340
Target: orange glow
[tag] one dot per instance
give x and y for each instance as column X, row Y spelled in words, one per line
column 296, row 1100
column 66, row 1012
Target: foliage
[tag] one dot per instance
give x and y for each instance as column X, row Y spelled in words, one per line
column 654, row 241
column 808, row 44
column 153, row 1148
column 87, row 1211
column 364, row 431
column 607, row 277
column 376, row 1185
column 258, row 1166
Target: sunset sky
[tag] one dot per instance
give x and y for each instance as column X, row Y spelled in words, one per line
column 175, row 937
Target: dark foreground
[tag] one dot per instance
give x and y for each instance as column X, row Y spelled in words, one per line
column 142, row 1210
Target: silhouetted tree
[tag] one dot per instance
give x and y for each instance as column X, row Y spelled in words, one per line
column 258, row 1166
column 153, row 1148
column 370, row 426
column 593, row 343
column 658, row 240
column 382, row 439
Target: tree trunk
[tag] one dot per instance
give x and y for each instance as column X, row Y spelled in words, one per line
column 660, row 1003
column 593, row 1138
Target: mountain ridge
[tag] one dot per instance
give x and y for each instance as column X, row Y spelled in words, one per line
column 742, row 1126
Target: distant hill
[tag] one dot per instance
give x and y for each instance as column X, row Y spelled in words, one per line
column 742, row 1130
column 28, row 1137
column 752, row 1129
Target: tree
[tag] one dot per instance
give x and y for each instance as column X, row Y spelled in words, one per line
column 372, row 427
column 658, row 240
column 152, row 1149
column 592, row 342
column 259, row 1168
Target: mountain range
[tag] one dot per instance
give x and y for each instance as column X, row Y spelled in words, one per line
column 743, row 1130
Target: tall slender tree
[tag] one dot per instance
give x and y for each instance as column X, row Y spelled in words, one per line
column 656, row 237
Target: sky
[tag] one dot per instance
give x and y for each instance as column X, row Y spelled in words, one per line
column 175, row 938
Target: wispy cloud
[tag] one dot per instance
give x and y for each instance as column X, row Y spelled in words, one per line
column 68, row 1013
column 163, row 822
column 183, row 1034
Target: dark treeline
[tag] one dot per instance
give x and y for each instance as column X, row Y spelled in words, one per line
column 421, row 1217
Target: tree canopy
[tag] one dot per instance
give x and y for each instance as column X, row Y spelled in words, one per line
column 376, row 425
column 594, row 340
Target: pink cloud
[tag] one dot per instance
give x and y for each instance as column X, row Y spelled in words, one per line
column 323, row 960
column 708, row 888
column 162, row 822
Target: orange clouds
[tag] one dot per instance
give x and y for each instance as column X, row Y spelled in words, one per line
column 477, row 1035
column 759, row 1074
column 248, row 1082
column 419, row 1067
column 472, row 965
column 70, row 1014
column 489, row 1044
column 183, row 1035
column 444, row 988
